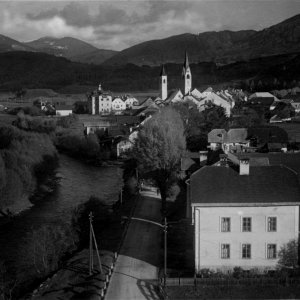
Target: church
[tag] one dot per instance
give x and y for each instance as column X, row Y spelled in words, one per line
column 201, row 99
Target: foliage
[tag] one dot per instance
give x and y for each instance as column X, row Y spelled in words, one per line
column 37, row 124
column 45, row 247
column 289, row 254
column 81, row 107
column 198, row 124
column 20, row 154
column 27, row 110
column 159, row 147
column 67, row 121
column 77, row 145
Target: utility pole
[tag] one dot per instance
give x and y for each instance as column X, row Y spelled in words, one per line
column 165, row 250
column 91, row 263
column 165, row 228
column 91, row 251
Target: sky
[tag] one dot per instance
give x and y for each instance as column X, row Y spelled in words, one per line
column 120, row 24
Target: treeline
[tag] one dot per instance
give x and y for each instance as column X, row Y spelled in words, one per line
column 22, row 158
column 27, row 70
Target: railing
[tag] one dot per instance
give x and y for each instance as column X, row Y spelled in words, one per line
column 183, row 281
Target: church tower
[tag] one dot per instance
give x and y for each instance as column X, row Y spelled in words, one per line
column 186, row 73
column 163, row 83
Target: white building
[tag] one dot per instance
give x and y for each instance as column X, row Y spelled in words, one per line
column 63, row 110
column 242, row 218
column 130, row 101
column 100, row 102
column 118, row 105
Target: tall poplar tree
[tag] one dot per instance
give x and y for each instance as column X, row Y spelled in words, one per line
column 159, row 147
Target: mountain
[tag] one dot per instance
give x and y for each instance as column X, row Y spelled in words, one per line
column 71, row 48
column 20, row 69
column 8, row 44
column 222, row 47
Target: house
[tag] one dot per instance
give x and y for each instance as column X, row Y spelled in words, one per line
column 118, row 105
column 63, row 110
column 247, row 139
column 296, row 105
column 215, row 138
column 130, row 101
column 209, row 96
column 123, row 146
column 242, row 216
column 100, row 102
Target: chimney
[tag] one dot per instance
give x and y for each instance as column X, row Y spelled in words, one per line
column 244, row 166
column 223, row 160
column 203, row 156
column 99, row 88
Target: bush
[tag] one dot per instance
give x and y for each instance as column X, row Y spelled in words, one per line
column 45, row 247
column 20, row 154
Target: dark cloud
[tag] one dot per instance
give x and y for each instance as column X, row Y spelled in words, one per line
column 76, row 14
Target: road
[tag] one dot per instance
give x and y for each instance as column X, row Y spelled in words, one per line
column 140, row 255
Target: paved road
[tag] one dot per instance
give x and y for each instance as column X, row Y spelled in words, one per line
column 139, row 259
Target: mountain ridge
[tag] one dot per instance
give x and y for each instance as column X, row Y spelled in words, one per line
column 222, row 47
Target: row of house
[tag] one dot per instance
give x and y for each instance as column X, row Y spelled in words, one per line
column 103, row 103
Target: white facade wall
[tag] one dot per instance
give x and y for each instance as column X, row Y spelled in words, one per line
column 118, row 104
column 105, row 104
column 208, row 235
column 130, row 101
column 93, row 105
column 64, row 113
column 163, row 86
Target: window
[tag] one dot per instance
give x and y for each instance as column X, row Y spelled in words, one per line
column 247, row 224
column 225, row 224
column 225, row 251
column 272, row 224
column 246, row 251
column 271, row 251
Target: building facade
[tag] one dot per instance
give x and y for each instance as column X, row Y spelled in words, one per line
column 242, row 218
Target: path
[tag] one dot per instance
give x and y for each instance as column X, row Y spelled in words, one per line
column 139, row 259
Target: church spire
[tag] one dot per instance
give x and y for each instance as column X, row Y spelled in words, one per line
column 186, row 65
column 163, row 71
column 187, row 74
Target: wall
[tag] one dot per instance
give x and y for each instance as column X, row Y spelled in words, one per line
column 208, row 235
column 63, row 112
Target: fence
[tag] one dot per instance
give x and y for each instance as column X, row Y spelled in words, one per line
column 182, row 281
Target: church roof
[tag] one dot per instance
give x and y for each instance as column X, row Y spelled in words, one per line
column 163, row 71
column 185, row 64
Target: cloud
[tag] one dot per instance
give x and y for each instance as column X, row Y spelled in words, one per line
column 120, row 24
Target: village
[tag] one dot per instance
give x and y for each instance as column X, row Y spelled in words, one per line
column 238, row 181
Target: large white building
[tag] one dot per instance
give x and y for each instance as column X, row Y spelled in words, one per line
column 242, row 218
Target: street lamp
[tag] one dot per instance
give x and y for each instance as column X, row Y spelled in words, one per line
column 165, row 227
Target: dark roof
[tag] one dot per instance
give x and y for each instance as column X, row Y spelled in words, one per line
column 293, row 131
column 185, row 64
column 213, row 185
column 64, row 107
column 270, row 134
column 163, row 71
column 290, row 160
column 267, row 101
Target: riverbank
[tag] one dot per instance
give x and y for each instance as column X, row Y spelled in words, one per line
column 53, row 220
column 73, row 278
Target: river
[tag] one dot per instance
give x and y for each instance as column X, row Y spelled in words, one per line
column 76, row 182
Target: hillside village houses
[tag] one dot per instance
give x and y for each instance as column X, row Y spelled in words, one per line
column 103, row 103
column 201, row 99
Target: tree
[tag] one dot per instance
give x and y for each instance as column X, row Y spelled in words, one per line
column 288, row 255
column 159, row 147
